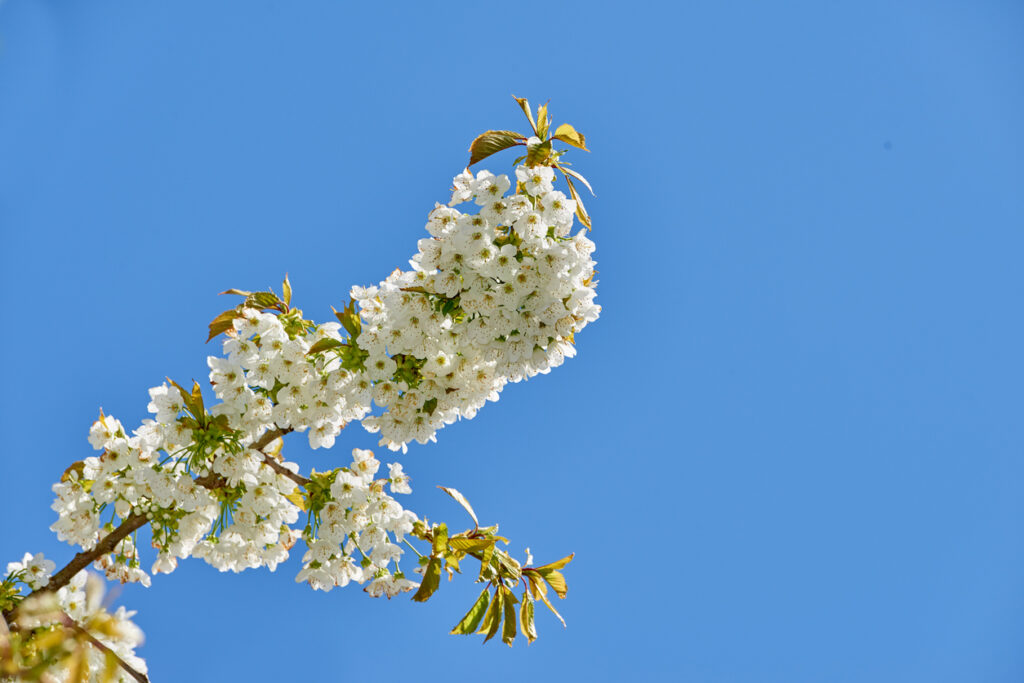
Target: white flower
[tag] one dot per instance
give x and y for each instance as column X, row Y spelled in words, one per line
column 487, row 187
column 399, row 479
column 537, row 179
column 461, row 190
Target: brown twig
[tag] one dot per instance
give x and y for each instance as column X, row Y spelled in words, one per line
column 73, row 625
column 282, row 470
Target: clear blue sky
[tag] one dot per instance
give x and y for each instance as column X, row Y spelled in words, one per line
column 791, row 448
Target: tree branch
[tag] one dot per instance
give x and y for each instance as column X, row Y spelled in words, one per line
column 130, row 524
column 73, row 625
column 282, row 470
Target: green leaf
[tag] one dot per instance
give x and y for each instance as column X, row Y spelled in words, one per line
column 473, row 617
column 265, row 300
column 491, row 142
column 485, row 561
column 223, row 323
column 555, row 580
column 431, row 580
column 508, row 633
column 461, row 500
column 296, row 497
column 544, row 599
column 571, row 136
column 577, row 176
column 186, row 397
column 430, row 405
column 581, row 211
column 538, row 154
column 77, row 467
column 526, row 623
column 349, row 319
column 492, row 621
column 470, row 545
column 196, row 406
column 524, row 104
column 543, row 121
column 324, row 344
column 440, row 539
column 558, row 564
column 286, row 289
column 239, row 292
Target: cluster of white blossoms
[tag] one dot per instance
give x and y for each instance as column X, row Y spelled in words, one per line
column 33, row 570
column 492, row 296
column 357, row 517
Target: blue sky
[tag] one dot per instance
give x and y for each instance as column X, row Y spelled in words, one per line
column 790, row 449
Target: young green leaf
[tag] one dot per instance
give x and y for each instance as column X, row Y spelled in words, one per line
column 76, row 467
column 431, row 581
column 555, row 580
column 324, row 344
column 223, row 323
column 461, row 500
column 440, row 539
column 581, row 212
column 485, row 561
column 470, row 545
column 524, row 104
column 286, row 289
column 558, row 564
column 538, row 154
column 508, row 633
column 543, row 121
column 296, row 497
column 568, row 171
column 349, row 319
column 526, row 623
column 544, row 599
column 265, row 300
column 491, row 142
column 492, row 621
column 473, row 617
column 571, row 136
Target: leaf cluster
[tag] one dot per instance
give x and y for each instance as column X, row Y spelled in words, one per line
column 540, row 149
column 495, row 609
